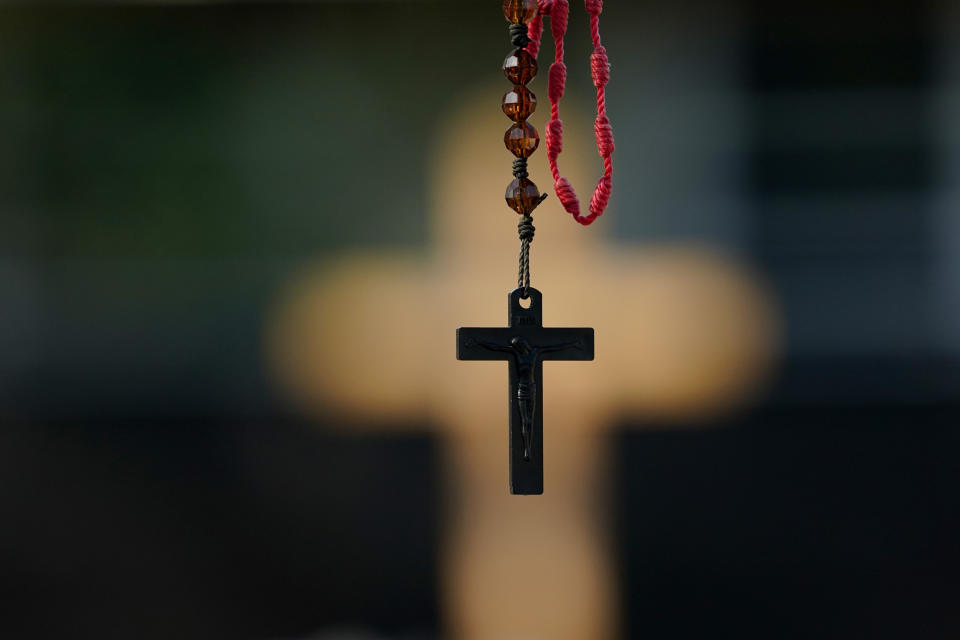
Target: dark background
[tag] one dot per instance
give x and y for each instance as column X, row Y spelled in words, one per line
column 162, row 169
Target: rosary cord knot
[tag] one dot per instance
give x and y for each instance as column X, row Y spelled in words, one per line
column 601, row 196
column 567, row 196
column 554, row 136
column 594, row 7
column 520, row 168
column 559, row 14
column 518, row 35
column 525, row 228
column 534, row 33
column 604, row 133
column 600, row 67
column 557, row 80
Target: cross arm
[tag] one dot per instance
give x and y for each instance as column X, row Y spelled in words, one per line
column 484, row 343
column 566, row 343
column 493, row 343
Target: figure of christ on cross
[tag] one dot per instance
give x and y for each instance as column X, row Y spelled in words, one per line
column 525, row 360
column 525, row 344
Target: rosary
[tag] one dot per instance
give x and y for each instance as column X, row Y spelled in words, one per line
column 526, row 343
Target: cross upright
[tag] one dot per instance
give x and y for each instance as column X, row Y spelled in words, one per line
column 525, row 344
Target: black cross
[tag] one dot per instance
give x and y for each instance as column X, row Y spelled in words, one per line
column 525, row 344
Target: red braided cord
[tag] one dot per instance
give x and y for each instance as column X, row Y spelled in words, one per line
column 559, row 10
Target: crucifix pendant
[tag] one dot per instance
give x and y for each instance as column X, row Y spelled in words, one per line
column 525, row 344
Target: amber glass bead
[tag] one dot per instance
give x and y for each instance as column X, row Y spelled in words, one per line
column 520, row 67
column 523, row 196
column 522, row 139
column 519, row 103
column 519, row 11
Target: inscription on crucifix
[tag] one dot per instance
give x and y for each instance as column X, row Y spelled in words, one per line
column 525, row 344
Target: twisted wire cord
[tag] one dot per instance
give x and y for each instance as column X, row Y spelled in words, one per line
column 523, row 275
column 525, row 230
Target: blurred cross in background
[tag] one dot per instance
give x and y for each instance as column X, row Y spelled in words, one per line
column 681, row 333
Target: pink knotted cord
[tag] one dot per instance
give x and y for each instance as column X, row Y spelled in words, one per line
column 559, row 10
